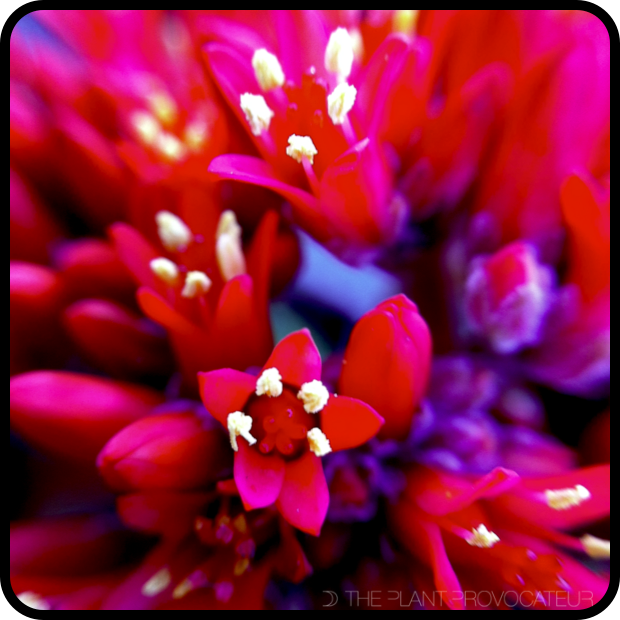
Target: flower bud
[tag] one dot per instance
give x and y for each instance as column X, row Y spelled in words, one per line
column 507, row 296
column 387, row 362
column 177, row 451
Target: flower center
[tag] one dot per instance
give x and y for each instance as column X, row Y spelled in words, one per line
column 280, row 423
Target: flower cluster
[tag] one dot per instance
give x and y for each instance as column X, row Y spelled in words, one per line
column 309, row 309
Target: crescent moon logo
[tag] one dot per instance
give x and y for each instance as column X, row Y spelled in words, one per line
column 334, row 598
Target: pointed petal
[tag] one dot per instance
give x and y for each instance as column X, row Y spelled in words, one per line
column 224, row 391
column 348, row 422
column 297, row 359
column 160, row 311
column 135, row 251
column 258, row 476
column 304, row 497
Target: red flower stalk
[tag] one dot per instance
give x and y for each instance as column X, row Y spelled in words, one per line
column 508, row 528
column 387, row 363
column 280, row 424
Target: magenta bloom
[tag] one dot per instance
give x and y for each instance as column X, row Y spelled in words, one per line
column 280, row 424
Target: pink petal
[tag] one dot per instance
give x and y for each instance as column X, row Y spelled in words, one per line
column 304, row 497
column 224, row 391
column 258, row 476
column 348, row 422
column 297, row 359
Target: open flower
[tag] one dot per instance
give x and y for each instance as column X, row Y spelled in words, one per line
column 281, row 423
column 509, row 529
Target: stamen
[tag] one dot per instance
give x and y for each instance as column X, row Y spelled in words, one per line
column 173, row 232
column 197, row 283
column 596, row 548
column 165, row 270
column 314, row 396
column 228, row 248
column 269, row 383
column 405, row 22
column 163, row 107
column 319, row 444
column 184, row 588
column 301, row 146
column 157, row 583
column 340, row 102
column 35, row 601
column 481, row 537
column 563, row 499
column 146, row 126
column 170, row 146
column 257, row 112
column 239, row 424
column 267, row 70
column 195, row 135
column 241, row 566
column 339, row 53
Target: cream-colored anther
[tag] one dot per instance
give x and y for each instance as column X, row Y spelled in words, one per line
column 319, row 444
column 195, row 134
column 228, row 247
column 340, row 102
column 165, row 270
column 163, row 106
column 596, row 548
column 157, row 583
column 173, row 232
column 314, row 396
column 34, row 601
column 564, row 499
column 146, row 127
column 267, row 70
column 197, row 283
column 481, row 537
column 269, row 383
column 170, row 146
column 339, row 53
column 300, row 147
column 183, row 589
column 405, row 21
column 257, row 112
column 239, row 424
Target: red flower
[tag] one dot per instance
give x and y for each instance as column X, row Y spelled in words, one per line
column 278, row 441
column 507, row 528
column 387, row 363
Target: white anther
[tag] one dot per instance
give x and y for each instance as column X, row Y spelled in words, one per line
column 197, row 283
column 228, row 247
column 405, row 21
column 165, row 270
column 170, row 146
column 319, row 444
column 339, row 53
column 33, row 600
column 596, row 548
column 300, row 147
column 481, row 537
column 340, row 102
column 173, row 232
column 267, row 70
column 563, row 499
column 157, row 583
column 163, row 107
column 269, row 383
column 195, row 134
column 257, row 112
column 239, row 424
column 314, row 396
column 146, row 126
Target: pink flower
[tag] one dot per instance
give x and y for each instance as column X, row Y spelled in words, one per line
column 508, row 529
column 278, row 441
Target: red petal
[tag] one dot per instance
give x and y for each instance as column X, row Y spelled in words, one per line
column 258, row 476
column 297, row 359
column 224, row 391
column 73, row 414
column 348, row 422
column 160, row 311
column 135, row 251
column 304, row 497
